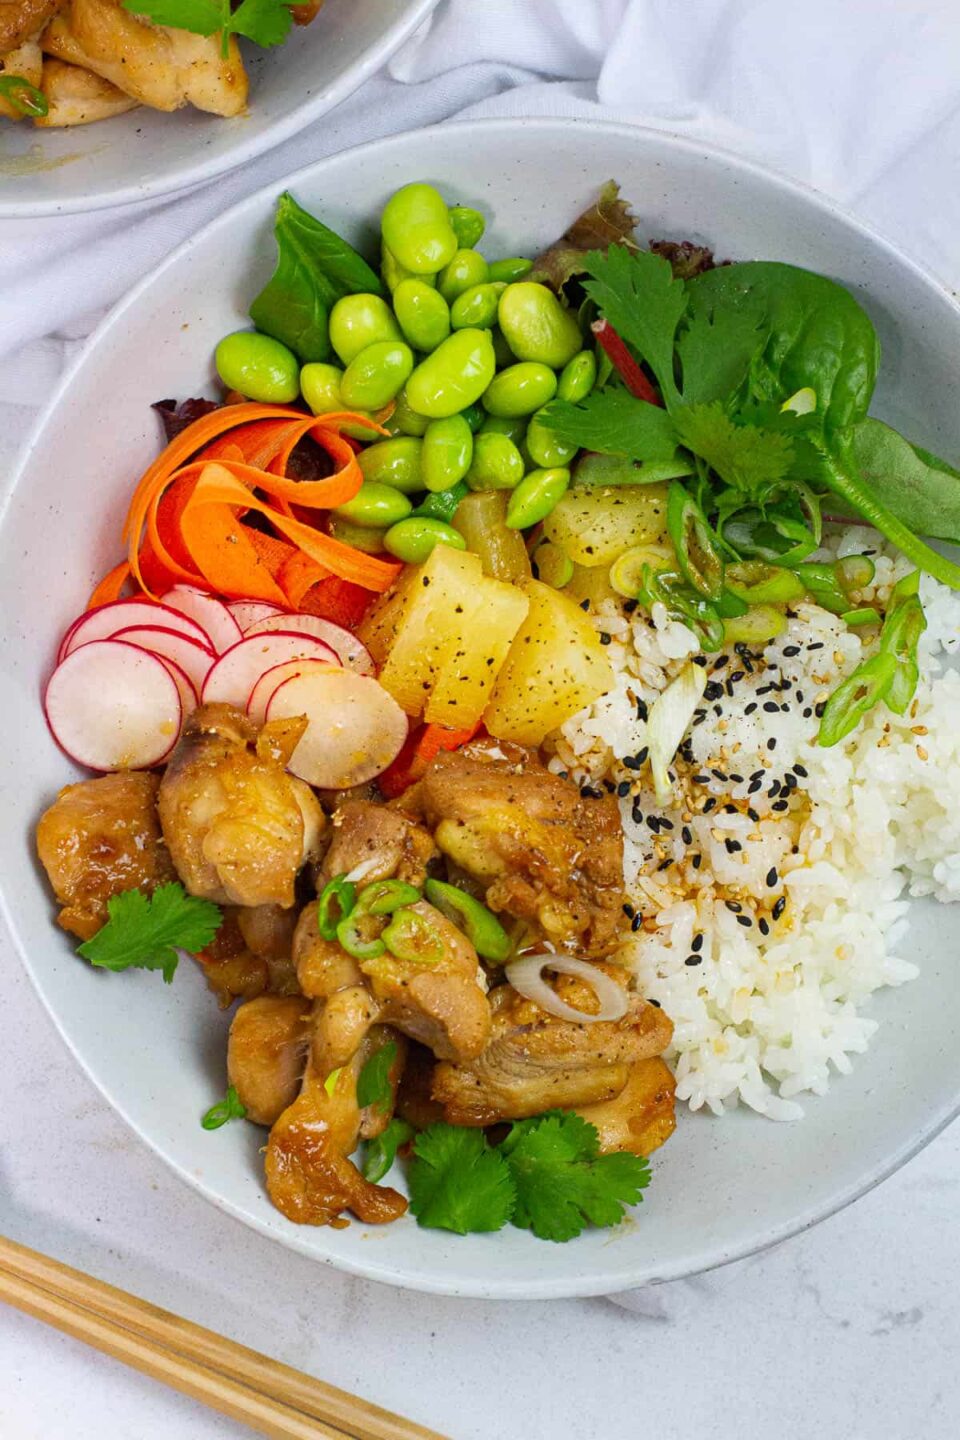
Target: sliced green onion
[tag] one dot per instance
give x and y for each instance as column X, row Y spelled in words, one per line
column 626, row 572
column 855, row 572
column 900, row 637
column 669, row 720
column 907, row 586
column 337, row 899
column 480, row 925
column 355, row 942
column 411, row 936
column 761, row 584
column 330, row 1084
column 866, row 615
column 851, row 700
column 682, row 603
column 693, row 539
column 820, row 582
column 760, row 624
column 382, row 897
column 730, row 605
column 382, row 1150
column 229, row 1108
column 25, row 99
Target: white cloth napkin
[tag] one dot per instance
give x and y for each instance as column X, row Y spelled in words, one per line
column 859, row 98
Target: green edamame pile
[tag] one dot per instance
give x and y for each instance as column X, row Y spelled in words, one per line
column 455, row 356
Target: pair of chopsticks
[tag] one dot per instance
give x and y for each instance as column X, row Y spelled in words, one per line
column 273, row 1399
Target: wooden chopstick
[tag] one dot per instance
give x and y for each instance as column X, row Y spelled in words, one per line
column 272, row 1398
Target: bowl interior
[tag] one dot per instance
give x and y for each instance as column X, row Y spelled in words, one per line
column 148, row 153
column 720, row 1189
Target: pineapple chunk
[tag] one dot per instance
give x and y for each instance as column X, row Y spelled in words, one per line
column 473, row 657
column 556, row 665
column 594, row 524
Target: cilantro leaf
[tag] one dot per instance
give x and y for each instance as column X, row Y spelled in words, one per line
column 638, row 295
column 146, row 931
column 200, row 17
column 382, row 1151
column 373, row 1082
column 615, row 423
column 562, row 1183
column 457, row 1182
column 265, row 22
column 747, row 458
column 717, row 347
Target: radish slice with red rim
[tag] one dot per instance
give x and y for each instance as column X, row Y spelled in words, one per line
column 189, row 694
column 195, row 660
column 273, row 678
column 249, row 612
column 236, row 672
column 353, row 654
column 104, row 622
column 208, row 612
column 354, row 728
column 113, row 706
column 526, row 977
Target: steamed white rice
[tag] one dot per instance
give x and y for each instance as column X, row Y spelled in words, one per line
column 762, row 1017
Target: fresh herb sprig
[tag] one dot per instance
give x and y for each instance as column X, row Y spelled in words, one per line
column 265, row 22
column 231, row 1107
column 146, row 932
column 547, row 1176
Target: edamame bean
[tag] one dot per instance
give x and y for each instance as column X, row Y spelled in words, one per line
column 520, row 389
column 497, row 463
column 511, row 269
column 504, row 355
column 447, row 452
column 467, row 268
column 357, row 321
column 536, row 325
column 258, row 366
column 376, row 375
column 545, row 447
column 476, row 306
column 578, row 377
column 393, row 272
column 474, row 415
column 369, row 541
column 417, row 231
column 320, row 387
column 405, row 420
column 513, row 426
column 468, row 225
column 394, row 462
column 454, row 376
column 413, row 540
column 536, row 495
column 375, row 506
column 423, row 314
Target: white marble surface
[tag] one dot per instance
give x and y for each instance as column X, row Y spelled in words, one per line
column 850, row 1332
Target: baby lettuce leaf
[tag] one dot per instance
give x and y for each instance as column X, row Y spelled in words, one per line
column 607, row 222
column 315, row 268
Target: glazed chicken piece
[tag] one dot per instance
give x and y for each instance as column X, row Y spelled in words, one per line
column 251, row 954
column 542, row 852
column 536, row 1062
column 389, row 845
column 310, row 1178
column 238, row 827
column 267, row 1053
column 98, row 838
column 162, row 67
column 78, row 97
column 641, row 1118
column 21, row 20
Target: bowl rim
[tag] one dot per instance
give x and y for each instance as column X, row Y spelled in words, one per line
column 696, row 1261
column 188, row 178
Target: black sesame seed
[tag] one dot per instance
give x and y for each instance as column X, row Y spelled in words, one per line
column 642, row 711
column 609, row 786
column 816, row 645
column 730, row 810
column 801, row 770
column 700, row 660
column 709, row 804
column 754, row 786
column 720, row 661
column 791, row 650
column 701, row 779
column 790, row 780
column 737, row 675
column 686, row 835
column 719, row 775
column 775, row 789
column 696, row 944
column 628, row 910
column 604, row 638
column 744, row 920
column 631, row 762
column 654, row 1003
column 799, row 697
column 653, row 823
column 818, row 711
column 772, row 743
column 636, row 815
column 642, row 755
column 718, row 710
column 692, row 960
column 780, row 805
column 629, row 606
column 764, row 928
column 785, row 708
column 737, row 779
column 754, row 816
column 665, row 824
column 779, row 908
column 757, row 774
column 733, row 905
column 732, row 846
column 665, row 864
column 584, row 604
column 749, row 709
column 636, row 922
column 807, row 713
column 697, row 861
column 712, row 691
column 771, row 707
column 623, row 788
column 772, row 876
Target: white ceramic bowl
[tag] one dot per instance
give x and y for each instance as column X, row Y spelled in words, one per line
column 721, row 1189
column 146, row 153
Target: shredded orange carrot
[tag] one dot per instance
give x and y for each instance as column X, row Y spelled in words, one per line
column 421, row 746
column 338, row 600
column 110, row 586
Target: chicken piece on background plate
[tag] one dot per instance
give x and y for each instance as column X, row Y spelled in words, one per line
column 78, row 97
column 251, row 954
column 99, row 838
column 21, row 21
column 310, row 1177
column 535, row 1061
column 238, row 827
column 543, row 853
column 158, row 65
column 641, row 1118
column 25, row 59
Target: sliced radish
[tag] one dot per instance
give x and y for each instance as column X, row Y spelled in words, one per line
column 237, row 671
column 195, row 660
column 272, row 679
column 209, row 613
column 352, row 653
column 106, row 620
column 113, row 706
column 248, row 612
column 189, row 694
column 354, row 731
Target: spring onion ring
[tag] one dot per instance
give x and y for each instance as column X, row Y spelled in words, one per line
column 525, row 975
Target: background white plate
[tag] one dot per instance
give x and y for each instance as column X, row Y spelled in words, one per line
column 147, row 153
column 721, row 1189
